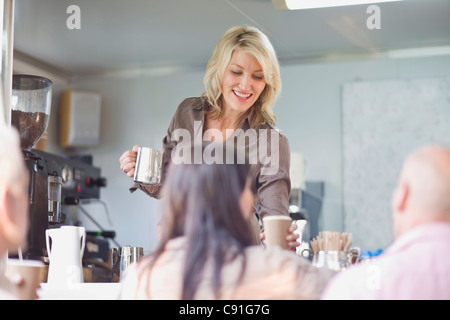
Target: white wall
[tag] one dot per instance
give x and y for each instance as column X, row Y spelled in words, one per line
column 382, row 122
column 138, row 110
column 309, row 112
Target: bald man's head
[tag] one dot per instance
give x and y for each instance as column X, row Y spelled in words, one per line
column 427, row 172
column 424, row 187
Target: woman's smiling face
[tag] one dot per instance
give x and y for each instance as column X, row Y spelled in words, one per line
column 243, row 82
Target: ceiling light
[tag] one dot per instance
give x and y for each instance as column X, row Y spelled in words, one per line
column 418, row 52
column 311, row 4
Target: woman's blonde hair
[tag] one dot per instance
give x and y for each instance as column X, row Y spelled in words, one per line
column 253, row 41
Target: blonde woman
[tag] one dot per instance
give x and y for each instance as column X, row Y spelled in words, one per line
column 242, row 83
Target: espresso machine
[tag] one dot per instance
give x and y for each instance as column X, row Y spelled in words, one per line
column 53, row 180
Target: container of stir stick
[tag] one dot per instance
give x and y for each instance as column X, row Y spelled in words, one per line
column 331, row 250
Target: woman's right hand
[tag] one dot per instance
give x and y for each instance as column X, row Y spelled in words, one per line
column 128, row 161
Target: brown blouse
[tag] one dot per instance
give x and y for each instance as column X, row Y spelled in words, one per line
column 270, row 174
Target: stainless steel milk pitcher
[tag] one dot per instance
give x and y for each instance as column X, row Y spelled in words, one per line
column 122, row 257
column 148, row 166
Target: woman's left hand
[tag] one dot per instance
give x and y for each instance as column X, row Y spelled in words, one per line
column 292, row 237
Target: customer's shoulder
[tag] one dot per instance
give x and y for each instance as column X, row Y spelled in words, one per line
column 274, row 257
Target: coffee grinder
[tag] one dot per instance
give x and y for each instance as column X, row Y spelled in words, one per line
column 55, row 181
column 30, row 113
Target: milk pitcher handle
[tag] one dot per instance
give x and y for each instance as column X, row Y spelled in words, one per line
column 83, row 242
column 47, row 242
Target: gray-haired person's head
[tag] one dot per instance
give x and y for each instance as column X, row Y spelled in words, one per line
column 11, row 158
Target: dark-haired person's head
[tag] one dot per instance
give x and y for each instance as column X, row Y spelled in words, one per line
column 210, row 204
column 207, row 199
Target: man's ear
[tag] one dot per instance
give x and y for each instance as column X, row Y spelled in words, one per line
column 401, row 197
column 8, row 202
column 4, row 209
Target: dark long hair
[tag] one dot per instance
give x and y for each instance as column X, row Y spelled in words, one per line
column 201, row 202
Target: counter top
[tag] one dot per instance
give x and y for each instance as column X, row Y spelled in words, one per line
column 80, row 291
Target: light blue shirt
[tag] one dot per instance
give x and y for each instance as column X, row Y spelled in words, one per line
column 415, row 267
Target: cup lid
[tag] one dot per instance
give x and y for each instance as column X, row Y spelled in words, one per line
column 277, row 217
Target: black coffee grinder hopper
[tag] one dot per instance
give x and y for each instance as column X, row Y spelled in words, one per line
column 30, row 113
